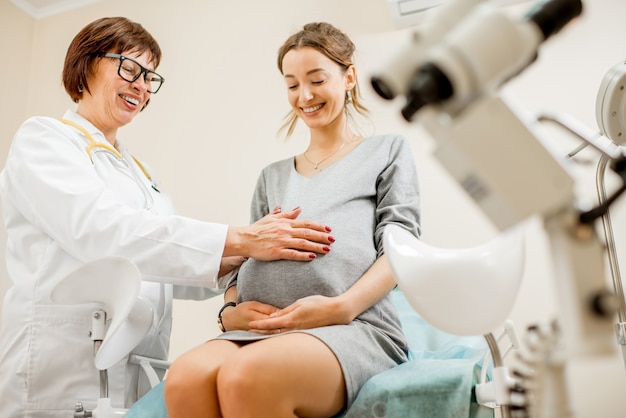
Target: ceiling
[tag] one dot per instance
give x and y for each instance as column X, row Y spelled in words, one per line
column 408, row 8
column 44, row 8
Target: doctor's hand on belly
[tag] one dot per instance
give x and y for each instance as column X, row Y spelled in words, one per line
column 280, row 235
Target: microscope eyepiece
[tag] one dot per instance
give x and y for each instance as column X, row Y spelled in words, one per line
column 428, row 85
column 551, row 15
column 381, row 87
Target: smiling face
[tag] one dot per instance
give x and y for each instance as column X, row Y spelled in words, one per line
column 316, row 87
column 111, row 101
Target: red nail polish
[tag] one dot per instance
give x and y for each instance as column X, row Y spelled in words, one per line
column 312, row 256
column 328, row 229
column 327, row 249
column 331, row 239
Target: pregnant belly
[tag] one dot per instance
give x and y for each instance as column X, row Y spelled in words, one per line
column 280, row 283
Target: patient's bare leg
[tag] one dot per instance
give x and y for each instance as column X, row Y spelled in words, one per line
column 286, row 376
column 190, row 389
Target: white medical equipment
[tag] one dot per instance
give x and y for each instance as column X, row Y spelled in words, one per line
column 445, row 285
column 449, row 76
column 497, row 266
column 118, row 326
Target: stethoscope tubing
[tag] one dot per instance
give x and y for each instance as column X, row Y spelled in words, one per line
column 93, row 147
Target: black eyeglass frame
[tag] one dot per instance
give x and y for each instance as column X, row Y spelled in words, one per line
column 143, row 70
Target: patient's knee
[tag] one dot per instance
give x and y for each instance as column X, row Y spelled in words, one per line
column 185, row 377
column 238, row 378
column 175, row 382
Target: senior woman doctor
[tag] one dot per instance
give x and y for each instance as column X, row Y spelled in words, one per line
column 71, row 193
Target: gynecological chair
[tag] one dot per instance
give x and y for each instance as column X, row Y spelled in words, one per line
column 446, row 376
column 120, row 321
column 452, row 371
column 456, row 366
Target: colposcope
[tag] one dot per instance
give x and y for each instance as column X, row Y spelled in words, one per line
column 449, row 76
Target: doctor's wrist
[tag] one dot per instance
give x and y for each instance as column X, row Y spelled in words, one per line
column 235, row 243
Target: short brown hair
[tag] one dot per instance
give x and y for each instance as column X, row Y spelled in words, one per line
column 108, row 34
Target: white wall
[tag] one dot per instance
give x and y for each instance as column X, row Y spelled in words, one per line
column 212, row 127
column 17, row 31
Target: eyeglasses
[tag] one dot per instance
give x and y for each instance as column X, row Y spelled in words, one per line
column 130, row 70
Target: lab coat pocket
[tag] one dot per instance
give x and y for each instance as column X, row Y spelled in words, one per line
column 60, row 364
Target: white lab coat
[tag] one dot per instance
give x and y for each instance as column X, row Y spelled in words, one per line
column 61, row 210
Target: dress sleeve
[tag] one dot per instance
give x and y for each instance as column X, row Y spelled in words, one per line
column 398, row 197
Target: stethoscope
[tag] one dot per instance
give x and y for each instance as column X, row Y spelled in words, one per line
column 95, row 146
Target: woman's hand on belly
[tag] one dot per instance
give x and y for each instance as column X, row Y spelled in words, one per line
column 309, row 312
column 240, row 316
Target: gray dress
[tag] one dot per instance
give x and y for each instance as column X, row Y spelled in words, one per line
column 373, row 186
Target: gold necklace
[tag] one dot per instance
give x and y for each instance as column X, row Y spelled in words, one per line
column 317, row 164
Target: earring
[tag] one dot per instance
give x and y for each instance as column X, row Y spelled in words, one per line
column 80, row 88
column 349, row 96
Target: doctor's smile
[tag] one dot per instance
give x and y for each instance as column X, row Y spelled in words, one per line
column 130, row 100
